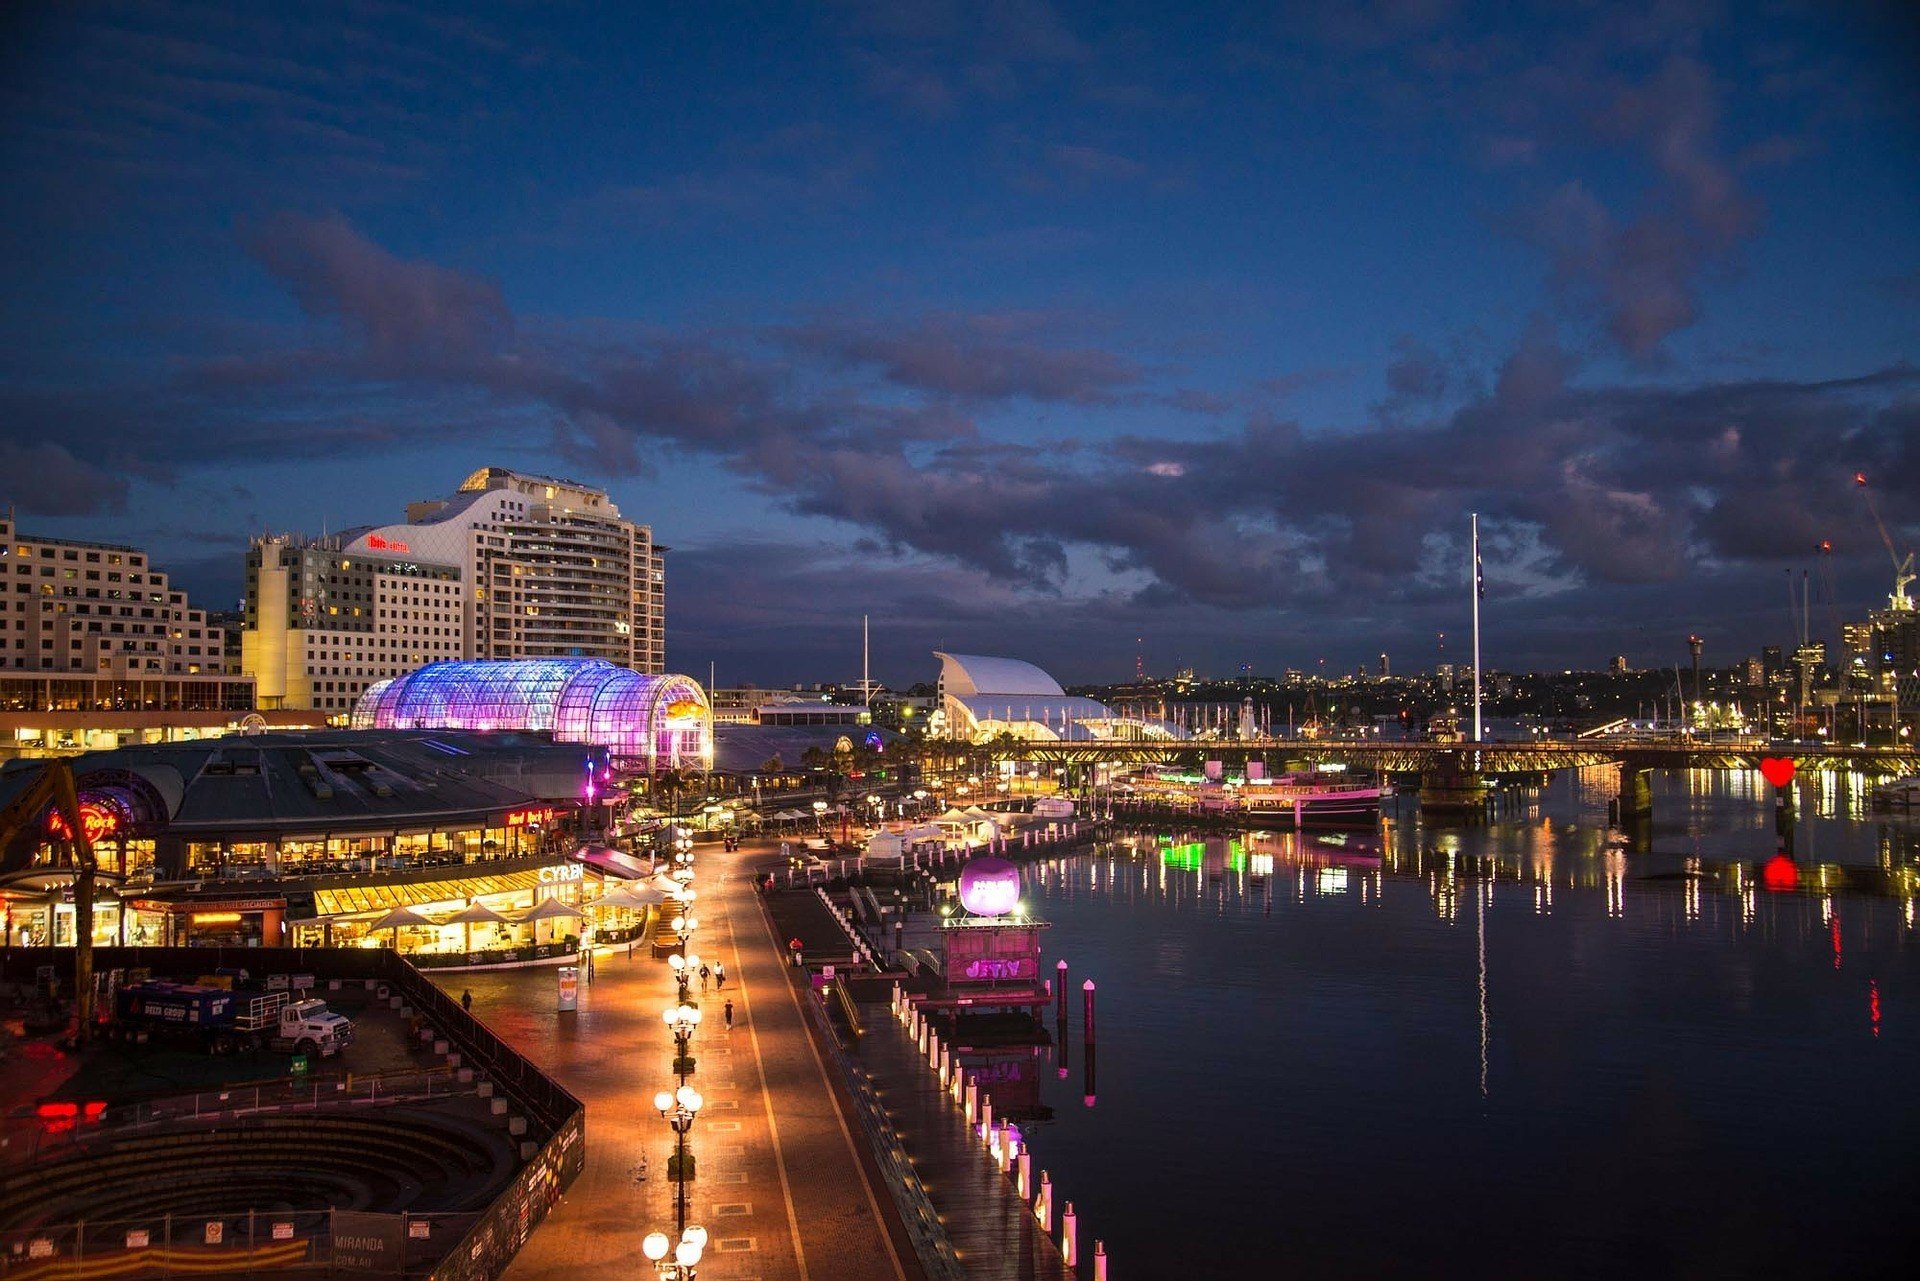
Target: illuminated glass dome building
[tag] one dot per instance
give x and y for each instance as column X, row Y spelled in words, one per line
column 645, row 722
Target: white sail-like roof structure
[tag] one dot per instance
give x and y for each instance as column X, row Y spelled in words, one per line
column 984, row 697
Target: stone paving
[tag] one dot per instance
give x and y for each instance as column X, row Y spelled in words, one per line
column 783, row 1188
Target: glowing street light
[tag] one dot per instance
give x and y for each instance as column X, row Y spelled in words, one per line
column 679, row 1107
column 686, row 1253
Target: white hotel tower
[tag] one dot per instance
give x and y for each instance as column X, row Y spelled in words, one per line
column 535, row 568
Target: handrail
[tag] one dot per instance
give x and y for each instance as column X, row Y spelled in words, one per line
column 930, row 1241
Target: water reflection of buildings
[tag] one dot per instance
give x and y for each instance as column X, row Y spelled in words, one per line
column 1223, row 874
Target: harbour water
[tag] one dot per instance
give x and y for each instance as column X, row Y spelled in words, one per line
column 1508, row 1050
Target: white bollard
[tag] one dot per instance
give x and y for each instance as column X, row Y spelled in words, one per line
column 1099, row 1261
column 957, row 1085
column 973, row 1100
column 1023, row 1176
column 1069, row 1233
column 994, row 1149
column 1043, row 1204
column 986, row 1115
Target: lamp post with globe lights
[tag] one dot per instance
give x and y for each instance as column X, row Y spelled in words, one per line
column 681, row 1020
column 678, row 964
column 679, row 1107
column 685, row 1253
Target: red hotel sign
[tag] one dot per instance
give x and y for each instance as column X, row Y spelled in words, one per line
column 376, row 543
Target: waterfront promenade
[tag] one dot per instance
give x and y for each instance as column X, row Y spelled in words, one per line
column 783, row 1188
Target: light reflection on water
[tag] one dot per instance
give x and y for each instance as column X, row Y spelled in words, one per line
column 1499, row 1050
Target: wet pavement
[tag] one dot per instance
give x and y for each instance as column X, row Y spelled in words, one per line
column 782, row 1186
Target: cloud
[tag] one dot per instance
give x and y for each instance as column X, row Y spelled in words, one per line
column 44, row 479
column 972, row 357
column 400, row 308
column 915, row 435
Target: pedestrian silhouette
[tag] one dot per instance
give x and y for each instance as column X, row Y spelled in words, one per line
column 466, row 1001
column 729, row 1014
column 720, row 976
column 704, row 973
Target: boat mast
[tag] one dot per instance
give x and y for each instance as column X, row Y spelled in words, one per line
column 1476, row 626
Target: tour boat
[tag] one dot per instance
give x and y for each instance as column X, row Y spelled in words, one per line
column 1901, row 793
column 1315, row 799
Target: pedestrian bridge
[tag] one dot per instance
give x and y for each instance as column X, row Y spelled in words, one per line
column 1534, row 756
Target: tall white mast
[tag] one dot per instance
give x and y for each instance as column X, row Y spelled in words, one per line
column 1476, row 626
column 866, row 685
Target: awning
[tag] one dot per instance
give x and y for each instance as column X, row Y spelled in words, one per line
column 548, row 909
column 356, row 899
column 613, row 863
column 643, row 896
column 399, row 917
column 476, row 914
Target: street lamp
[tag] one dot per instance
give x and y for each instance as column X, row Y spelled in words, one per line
column 681, row 1020
column 682, row 973
column 686, row 1253
column 679, row 1107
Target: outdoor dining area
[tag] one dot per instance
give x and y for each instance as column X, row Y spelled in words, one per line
column 510, row 928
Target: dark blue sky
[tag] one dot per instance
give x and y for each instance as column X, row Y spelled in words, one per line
column 1023, row 328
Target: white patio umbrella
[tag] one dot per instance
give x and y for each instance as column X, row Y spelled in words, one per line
column 476, row 913
column 398, row 917
column 551, row 909
column 635, row 897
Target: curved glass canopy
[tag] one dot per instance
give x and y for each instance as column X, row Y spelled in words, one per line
column 650, row 722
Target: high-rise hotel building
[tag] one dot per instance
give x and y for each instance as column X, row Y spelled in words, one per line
column 510, row 566
column 324, row 622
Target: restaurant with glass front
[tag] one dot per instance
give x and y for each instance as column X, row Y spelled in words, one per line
column 447, row 845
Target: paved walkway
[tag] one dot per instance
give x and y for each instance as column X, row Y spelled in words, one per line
column 782, row 1188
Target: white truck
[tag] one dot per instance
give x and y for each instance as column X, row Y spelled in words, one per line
column 228, row 1021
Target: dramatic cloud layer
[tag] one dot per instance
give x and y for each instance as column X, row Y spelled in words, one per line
column 1067, row 322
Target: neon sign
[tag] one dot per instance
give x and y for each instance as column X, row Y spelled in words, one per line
column 376, row 543
column 532, row 817
column 97, row 821
column 562, row 873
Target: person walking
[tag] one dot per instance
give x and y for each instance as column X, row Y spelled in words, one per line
column 705, row 973
column 466, row 1000
column 720, row 976
column 729, row 1013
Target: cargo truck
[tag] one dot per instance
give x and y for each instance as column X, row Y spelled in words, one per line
column 227, row 1021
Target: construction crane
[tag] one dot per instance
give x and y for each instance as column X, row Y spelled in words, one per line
column 25, row 813
column 1902, row 566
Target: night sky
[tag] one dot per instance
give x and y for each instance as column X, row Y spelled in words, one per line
column 1026, row 329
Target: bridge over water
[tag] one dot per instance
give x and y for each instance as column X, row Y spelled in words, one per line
column 1457, row 775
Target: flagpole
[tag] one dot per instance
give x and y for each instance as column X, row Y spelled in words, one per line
column 1476, row 627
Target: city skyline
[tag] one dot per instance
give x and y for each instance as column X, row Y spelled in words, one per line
column 1021, row 329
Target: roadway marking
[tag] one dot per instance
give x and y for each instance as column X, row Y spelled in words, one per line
column 766, row 1097
column 820, row 1066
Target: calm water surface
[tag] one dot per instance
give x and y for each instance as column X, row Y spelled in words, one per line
column 1497, row 1051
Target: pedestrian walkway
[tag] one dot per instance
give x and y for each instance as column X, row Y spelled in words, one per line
column 996, row 1236
column 781, row 1186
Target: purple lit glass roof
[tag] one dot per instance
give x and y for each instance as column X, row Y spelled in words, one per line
column 661, row 722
